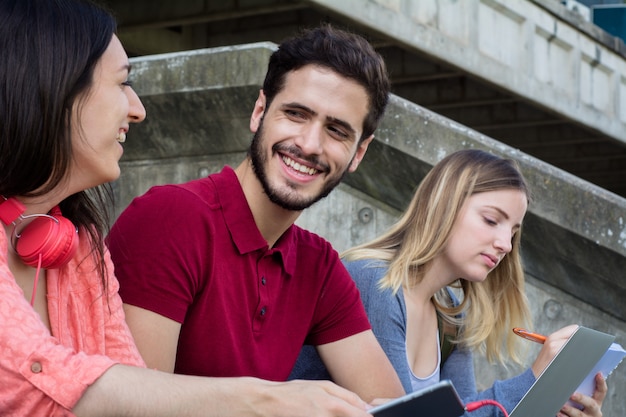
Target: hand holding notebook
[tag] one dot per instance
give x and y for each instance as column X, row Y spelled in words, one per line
column 607, row 364
column 575, row 363
column 611, row 359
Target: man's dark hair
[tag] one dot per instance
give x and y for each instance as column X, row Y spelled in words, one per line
column 348, row 54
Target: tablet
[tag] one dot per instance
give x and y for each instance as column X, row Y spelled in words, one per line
column 438, row 400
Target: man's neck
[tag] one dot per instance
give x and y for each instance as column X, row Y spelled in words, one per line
column 271, row 219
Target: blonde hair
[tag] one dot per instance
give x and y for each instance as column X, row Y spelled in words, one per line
column 488, row 309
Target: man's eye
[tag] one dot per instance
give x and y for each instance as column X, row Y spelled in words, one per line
column 338, row 132
column 294, row 113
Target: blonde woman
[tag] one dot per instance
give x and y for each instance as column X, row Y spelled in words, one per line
column 447, row 280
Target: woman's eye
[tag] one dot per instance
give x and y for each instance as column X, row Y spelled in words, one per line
column 490, row 222
column 127, row 83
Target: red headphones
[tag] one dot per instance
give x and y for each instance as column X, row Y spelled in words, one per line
column 51, row 236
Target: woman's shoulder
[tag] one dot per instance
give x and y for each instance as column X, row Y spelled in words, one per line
column 367, row 274
column 366, row 266
column 365, row 271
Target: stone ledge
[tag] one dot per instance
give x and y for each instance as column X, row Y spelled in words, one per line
column 575, row 234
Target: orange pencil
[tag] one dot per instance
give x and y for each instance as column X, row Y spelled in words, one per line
column 535, row 337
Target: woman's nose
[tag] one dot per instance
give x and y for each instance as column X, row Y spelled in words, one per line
column 504, row 242
column 136, row 111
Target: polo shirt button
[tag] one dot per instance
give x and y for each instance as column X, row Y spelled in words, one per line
column 263, row 280
column 263, row 311
column 36, row 367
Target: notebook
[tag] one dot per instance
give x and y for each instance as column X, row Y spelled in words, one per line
column 438, row 400
column 607, row 364
column 564, row 374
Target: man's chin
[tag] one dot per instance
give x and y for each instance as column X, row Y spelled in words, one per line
column 291, row 204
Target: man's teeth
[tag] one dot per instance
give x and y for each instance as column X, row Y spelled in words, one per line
column 298, row 167
column 121, row 137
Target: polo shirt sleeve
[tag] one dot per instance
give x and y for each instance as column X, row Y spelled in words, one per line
column 340, row 312
column 157, row 246
column 39, row 376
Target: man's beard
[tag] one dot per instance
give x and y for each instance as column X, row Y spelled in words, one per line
column 285, row 199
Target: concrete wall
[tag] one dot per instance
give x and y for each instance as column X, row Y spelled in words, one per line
column 525, row 47
column 198, row 104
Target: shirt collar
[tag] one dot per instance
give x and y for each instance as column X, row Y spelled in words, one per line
column 239, row 220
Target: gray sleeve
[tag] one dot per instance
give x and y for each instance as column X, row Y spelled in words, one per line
column 309, row 365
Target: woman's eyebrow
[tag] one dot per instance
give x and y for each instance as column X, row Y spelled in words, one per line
column 504, row 214
column 126, row 67
column 499, row 210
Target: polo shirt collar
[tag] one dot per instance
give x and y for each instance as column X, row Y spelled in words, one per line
column 240, row 222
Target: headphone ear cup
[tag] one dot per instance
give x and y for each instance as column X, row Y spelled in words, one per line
column 56, row 239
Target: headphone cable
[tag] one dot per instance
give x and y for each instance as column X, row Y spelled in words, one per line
column 32, row 297
column 475, row 405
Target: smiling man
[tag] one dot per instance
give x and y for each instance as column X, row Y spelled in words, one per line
column 216, row 278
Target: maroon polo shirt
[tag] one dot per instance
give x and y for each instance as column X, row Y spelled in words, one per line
column 193, row 253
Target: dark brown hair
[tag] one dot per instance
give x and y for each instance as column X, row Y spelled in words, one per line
column 347, row 54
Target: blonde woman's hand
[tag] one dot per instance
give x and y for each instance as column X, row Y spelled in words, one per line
column 553, row 344
column 592, row 406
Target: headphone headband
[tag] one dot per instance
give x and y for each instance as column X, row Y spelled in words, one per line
column 10, row 210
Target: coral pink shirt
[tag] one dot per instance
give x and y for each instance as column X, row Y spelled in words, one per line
column 44, row 374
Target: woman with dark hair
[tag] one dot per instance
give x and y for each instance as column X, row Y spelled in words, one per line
column 65, row 108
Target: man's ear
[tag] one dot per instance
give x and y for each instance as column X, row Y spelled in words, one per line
column 360, row 153
column 257, row 112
